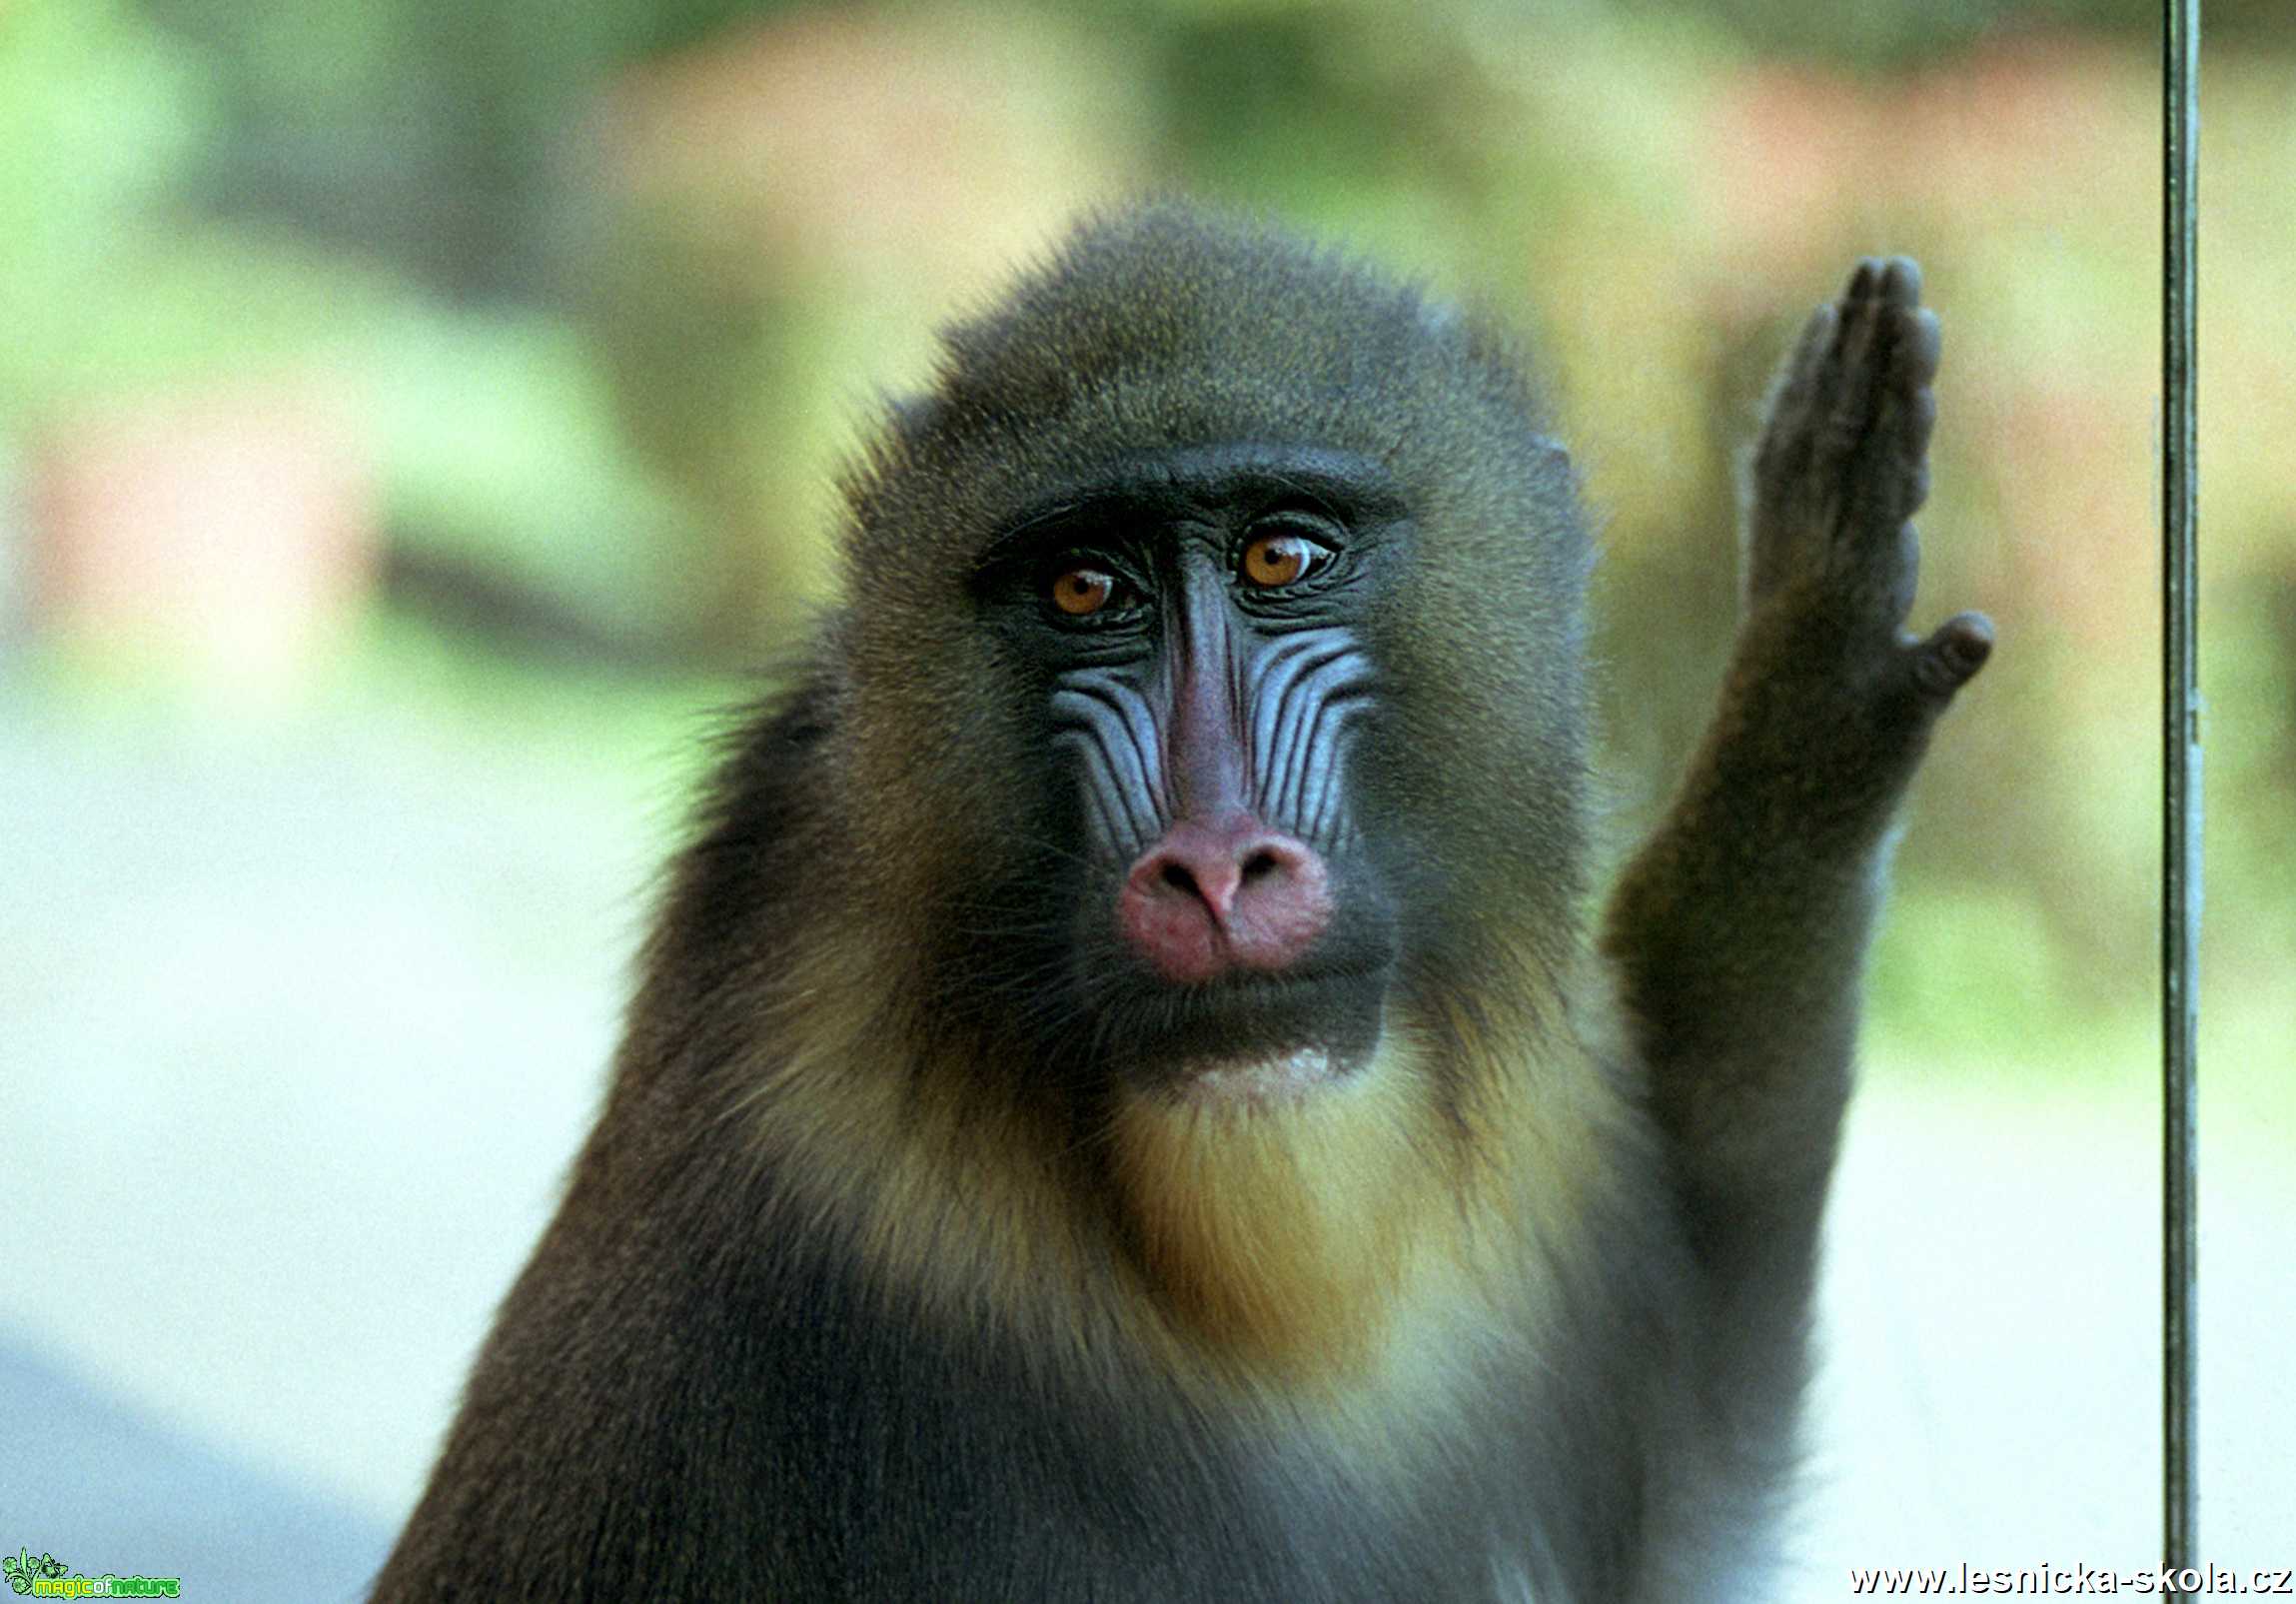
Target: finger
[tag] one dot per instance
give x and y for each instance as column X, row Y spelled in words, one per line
column 1953, row 654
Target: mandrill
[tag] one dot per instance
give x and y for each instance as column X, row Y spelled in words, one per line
column 1125, row 1101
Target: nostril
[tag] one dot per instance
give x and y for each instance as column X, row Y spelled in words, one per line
column 1176, row 877
column 1261, row 865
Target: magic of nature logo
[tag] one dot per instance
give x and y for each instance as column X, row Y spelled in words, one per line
column 49, row 1577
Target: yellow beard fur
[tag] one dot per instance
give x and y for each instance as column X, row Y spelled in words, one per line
column 1249, row 1215
column 1277, row 1229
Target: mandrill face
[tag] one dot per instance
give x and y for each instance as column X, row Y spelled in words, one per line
column 1251, row 709
column 1192, row 630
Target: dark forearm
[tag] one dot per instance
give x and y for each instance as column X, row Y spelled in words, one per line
column 1739, row 932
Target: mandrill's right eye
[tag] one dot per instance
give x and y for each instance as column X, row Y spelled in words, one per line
column 1081, row 592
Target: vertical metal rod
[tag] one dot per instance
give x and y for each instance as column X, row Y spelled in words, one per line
column 2181, row 793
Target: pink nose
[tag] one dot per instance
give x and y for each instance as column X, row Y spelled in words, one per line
column 1208, row 898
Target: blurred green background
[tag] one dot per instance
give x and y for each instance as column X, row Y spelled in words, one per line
column 419, row 419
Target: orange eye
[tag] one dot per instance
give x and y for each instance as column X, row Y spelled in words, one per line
column 1082, row 591
column 1274, row 561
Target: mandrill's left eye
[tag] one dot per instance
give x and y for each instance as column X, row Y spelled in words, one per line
column 1274, row 561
